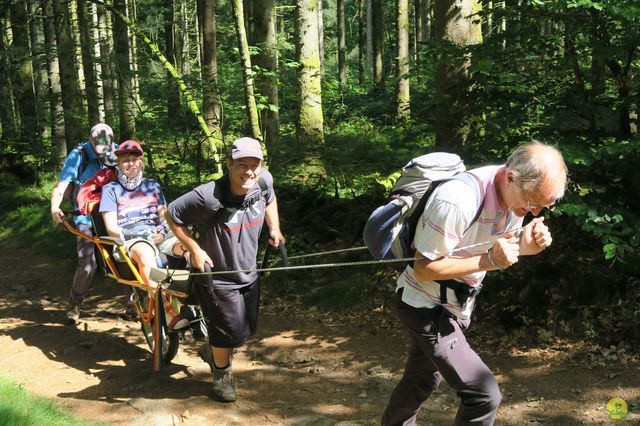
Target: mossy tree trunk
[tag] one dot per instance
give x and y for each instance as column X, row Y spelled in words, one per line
column 267, row 82
column 211, row 103
column 23, row 80
column 74, row 128
column 377, row 35
column 342, row 47
column 403, row 97
column 456, row 27
column 310, row 118
column 247, row 72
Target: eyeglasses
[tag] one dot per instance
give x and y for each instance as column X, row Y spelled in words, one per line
column 531, row 207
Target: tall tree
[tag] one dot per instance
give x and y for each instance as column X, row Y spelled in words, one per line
column 267, row 81
column 59, row 152
column 211, row 97
column 106, row 64
column 95, row 33
column 132, row 14
column 87, row 44
column 320, row 11
column 403, row 99
column 247, row 72
column 362, row 40
column 310, row 120
column 342, row 47
column 456, row 26
column 377, row 35
column 7, row 116
column 37, row 61
column 126, row 106
column 173, row 92
column 71, row 99
column 23, row 79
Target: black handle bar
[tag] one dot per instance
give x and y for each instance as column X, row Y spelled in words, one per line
column 267, row 253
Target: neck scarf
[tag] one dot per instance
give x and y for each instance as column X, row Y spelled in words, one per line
column 129, row 183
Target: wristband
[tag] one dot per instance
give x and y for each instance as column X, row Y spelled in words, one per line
column 491, row 260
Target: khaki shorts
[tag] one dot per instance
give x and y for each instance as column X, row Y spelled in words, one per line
column 164, row 247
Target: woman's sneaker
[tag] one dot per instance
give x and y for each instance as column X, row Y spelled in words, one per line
column 174, row 322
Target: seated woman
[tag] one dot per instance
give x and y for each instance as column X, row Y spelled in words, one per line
column 133, row 209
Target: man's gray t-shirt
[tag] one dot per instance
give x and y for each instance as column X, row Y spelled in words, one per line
column 231, row 229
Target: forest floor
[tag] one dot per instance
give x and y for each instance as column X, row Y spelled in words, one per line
column 303, row 367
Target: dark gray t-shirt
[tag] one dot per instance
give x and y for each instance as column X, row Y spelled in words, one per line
column 231, row 229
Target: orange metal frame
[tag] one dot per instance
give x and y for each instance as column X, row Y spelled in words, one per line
column 105, row 246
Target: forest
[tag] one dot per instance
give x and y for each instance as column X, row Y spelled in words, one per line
column 342, row 93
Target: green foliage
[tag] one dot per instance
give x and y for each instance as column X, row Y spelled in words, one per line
column 25, row 217
column 19, row 408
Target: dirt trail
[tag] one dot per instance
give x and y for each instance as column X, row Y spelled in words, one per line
column 303, row 367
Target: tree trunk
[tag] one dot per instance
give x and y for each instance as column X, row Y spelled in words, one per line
column 87, row 44
column 23, row 81
column 71, row 100
column 95, row 33
column 35, row 34
column 377, row 34
column 7, row 116
column 173, row 93
column 417, row 33
column 487, row 21
column 132, row 14
column 426, row 18
column 59, row 151
column 403, row 112
column 185, row 43
column 211, row 97
column 267, row 83
column 342, row 48
column 106, row 67
column 247, row 72
column 362, row 40
column 310, row 123
column 455, row 26
column 248, row 12
column 320, row 10
column 125, row 92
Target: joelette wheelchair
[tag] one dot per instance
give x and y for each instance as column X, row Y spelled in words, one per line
column 150, row 302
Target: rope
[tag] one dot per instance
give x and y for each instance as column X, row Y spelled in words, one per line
column 517, row 233
column 320, row 265
column 322, row 253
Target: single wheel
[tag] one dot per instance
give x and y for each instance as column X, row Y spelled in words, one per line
column 170, row 341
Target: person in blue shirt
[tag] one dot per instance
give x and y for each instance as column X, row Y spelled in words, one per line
column 81, row 164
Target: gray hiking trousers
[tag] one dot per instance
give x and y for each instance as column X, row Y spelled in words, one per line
column 86, row 267
column 440, row 350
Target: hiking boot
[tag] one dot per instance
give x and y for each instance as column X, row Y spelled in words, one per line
column 224, row 385
column 73, row 313
column 205, row 353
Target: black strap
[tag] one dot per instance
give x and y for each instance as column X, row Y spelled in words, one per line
column 225, row 193
column 415, row 215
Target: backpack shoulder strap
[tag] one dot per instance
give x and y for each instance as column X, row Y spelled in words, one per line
column 465, row 177
column 84, row 155
column 264, row 189
column 470, row 180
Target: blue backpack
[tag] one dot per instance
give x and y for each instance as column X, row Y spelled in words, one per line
column 389, row 231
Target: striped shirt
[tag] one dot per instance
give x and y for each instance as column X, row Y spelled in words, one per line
column 442, row 228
